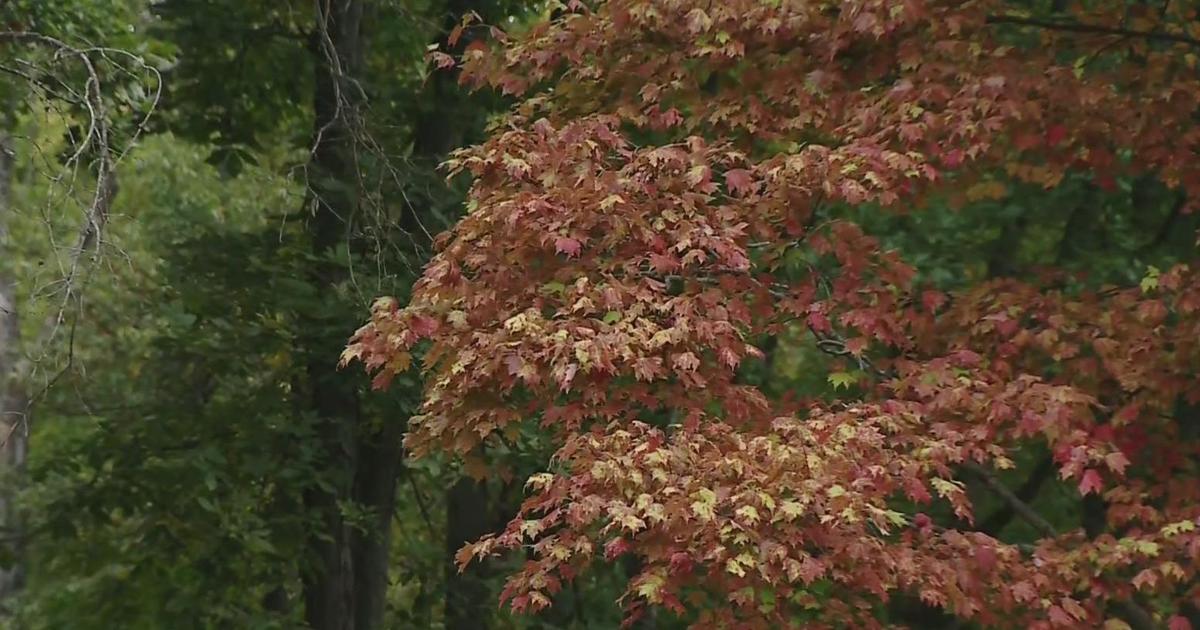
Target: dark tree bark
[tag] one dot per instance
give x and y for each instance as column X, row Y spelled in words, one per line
column 375, row 487
column 467, row 605
column 329, row 586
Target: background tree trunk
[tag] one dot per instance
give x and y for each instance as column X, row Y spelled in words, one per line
column 467, row 604
column 329, row 586
column 13, row 400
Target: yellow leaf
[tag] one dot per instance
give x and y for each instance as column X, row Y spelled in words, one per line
column 732, row 566
column 649, row 588
column 703, row 505
column 791, row 509
column 1177, row 528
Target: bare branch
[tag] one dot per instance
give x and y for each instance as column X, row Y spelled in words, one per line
column 1020, row 507
column 1095, row 29
column 97, row 140
column 1134, row 615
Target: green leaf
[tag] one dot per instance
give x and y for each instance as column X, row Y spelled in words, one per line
column 612, row 317
column 1150, row 282
column 842, row 379
column 554, row 288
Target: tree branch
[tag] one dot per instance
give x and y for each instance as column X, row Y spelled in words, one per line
column 1134, row 615
column 1028, row 490
column 1027, row 513
column 1095, row 29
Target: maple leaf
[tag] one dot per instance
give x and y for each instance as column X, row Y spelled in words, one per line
column 441, row 60
column 1145, row 579
column 1178, row 622
column 985, row 557
column 1090, row 482
column 567, row 245
column 664, row 263
column 791, row 509
column 615, row 548
column 1060, row 617
column 1055, row 135
column 648, row 368
column 649, row 587
column 681, row 563
column 1117, row 462
column 811, row 569
column 739, row 182
column 685, row 361
column 1024, row 592
column 424, row 326
column 1073, row 608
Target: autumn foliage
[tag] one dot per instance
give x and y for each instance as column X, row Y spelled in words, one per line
column 633, row 230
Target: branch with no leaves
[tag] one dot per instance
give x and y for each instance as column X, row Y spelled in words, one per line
column 98, row 140
column 1095, row 29
column 1134, row 615
column 1023, row 509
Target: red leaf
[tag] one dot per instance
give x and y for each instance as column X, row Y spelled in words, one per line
column 647, row 368
column 811, row 569
column 965, row 358
column 728, row 358
column 1026, row 141
column 514, row 364
column 1178, row 622
column 932, row 300
column 681, row 563
column 615, row 547
column 985, row 557
column 423, row 326
column 1073, row 608
column 567, row 245
column 1090, row 482
column 1023, row 592
column 1117, row 462
column 739, row 182
column 1059, row 617
column 441, row 60
column 664, row 263
column 819, row 322
column 1055, row 135
column 455, row 33
column 1146, row 578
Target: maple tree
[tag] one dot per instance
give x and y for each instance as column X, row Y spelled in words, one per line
column 674, row 185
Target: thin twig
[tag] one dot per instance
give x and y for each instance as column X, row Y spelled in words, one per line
column 98, row 139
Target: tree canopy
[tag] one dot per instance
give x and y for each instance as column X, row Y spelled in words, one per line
column 682, row 181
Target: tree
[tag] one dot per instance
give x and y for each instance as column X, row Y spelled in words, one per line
column 684, row 180
column 196, row 471
column 72, row 84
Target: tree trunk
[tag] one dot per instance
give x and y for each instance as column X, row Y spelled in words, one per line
column 13, row 401
column 329, row 587
column 466, row 521
column 375, row 486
